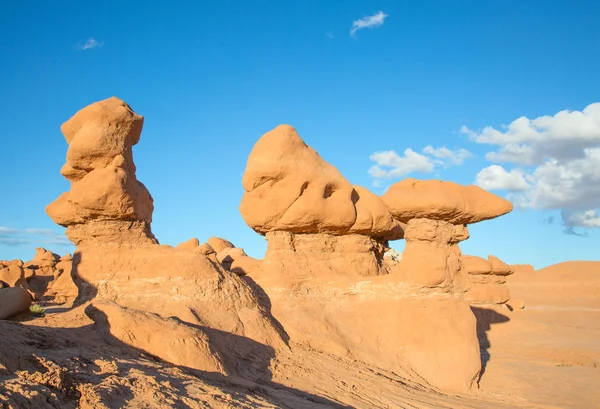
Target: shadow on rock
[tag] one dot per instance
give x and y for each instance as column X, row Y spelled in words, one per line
column 42, row 367
column 485, row 319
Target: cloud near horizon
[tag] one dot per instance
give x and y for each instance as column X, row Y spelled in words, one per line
column 374, row 21
column 20, row 237
column 89, row 44
column 390, row 165
column 548, row 163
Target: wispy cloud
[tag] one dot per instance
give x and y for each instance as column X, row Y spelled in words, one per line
column 550, row 162
column 374, row 21
column 89, row 44
column 330, row 35
column 21, row 237
column 391, row 165
column 572, row 232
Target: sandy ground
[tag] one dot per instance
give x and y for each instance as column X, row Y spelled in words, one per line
column 548, row 352
column 546, row 355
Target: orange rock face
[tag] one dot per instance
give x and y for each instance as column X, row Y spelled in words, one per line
column 289, row 187
column 488, row 280
column 106, row 201
column 439, row 200
column 325, row 274
column 108, row 215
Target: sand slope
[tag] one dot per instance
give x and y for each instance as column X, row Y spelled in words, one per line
column 548, row 352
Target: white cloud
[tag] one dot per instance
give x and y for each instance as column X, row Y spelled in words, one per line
column 391, row 165
column 526, row 141
column 553, row 161
column 495, row 177
column 398, row 165
column 587, row 218
column 89, row 44
column 446, row 156
column 374, row 21
column 330, row 35
column 20, row 237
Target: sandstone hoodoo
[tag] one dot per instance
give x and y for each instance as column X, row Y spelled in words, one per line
column 436, row 214
column 108, row 215
column 325, row 273
column 106, row 201
column 488, row 280
column 307, row 209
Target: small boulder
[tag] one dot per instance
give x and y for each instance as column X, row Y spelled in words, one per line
column 14, row 300
column 205, row 249
column 219, row 244
column 190, row 244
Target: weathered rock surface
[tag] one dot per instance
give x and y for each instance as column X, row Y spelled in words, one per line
column 431, row 257
column 289, row 187
column 488, row 279
column 325, row 274
column 446, row 201
column 13, row 300
column 325, row 254
column 190, row 244
column 108, row 215
column 106, row 202
column 168, row 339
column 47, row 275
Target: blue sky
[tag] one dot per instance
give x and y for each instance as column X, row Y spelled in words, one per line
column 211, row 77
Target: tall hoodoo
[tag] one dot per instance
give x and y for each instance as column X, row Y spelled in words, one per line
column 106, row 202
column 128, row 277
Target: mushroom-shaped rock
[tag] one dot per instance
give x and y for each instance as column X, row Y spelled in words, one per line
column 436, row 214
column 309, row 212
column 487, row 280
column 289, row 187
column 440, row 200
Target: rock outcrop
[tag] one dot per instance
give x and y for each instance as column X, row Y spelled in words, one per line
column 309, row 212
column 13, row 301
column 436, row 214
column 488, row 280
column 46, row 276
column 108, row 215
column 326, row 275
column 106, row 202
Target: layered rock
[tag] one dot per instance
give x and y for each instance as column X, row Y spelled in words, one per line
column 47, row 277
column 108, row 215
column 436, row 214
column 106, row 202
column 328, row 281
column 488, row 280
